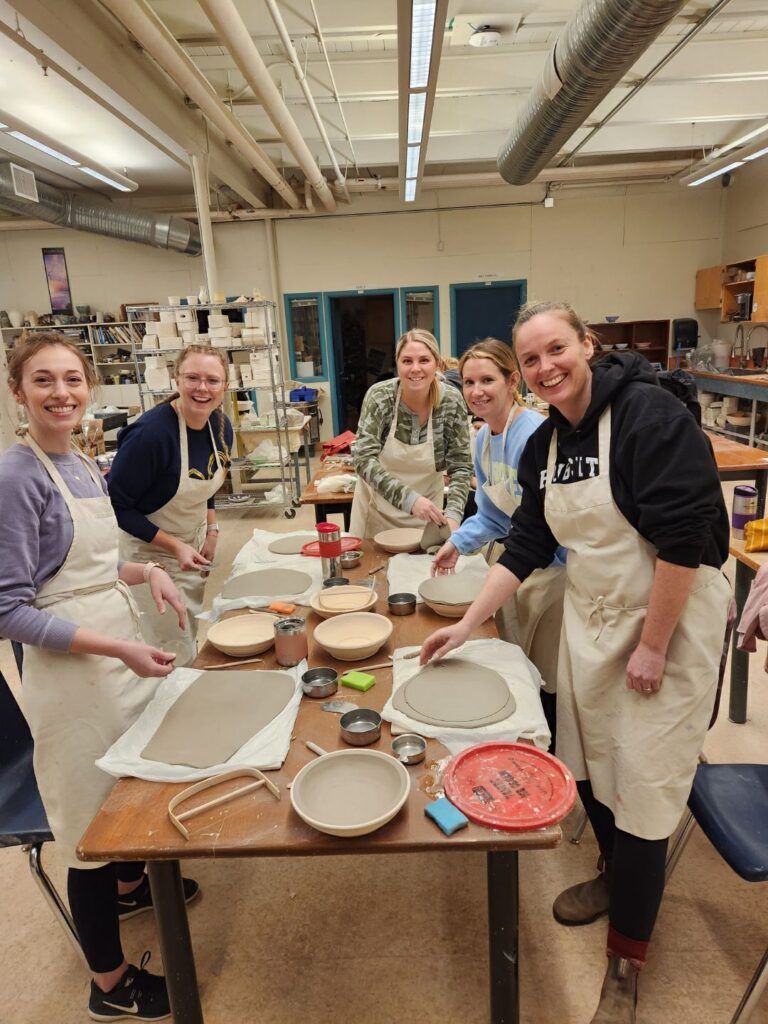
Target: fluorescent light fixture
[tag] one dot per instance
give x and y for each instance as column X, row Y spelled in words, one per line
column 416, row 104
column 44, row 149
column 715, row 174
column 754, row 156
column 740, row 141
column 412, row 162
column 410, row 190
column 422, row 30
column 105, row 179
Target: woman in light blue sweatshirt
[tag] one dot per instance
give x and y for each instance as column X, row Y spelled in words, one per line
column 490, row 379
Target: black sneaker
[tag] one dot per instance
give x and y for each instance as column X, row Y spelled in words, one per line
column 130, row 904
column 138, row 995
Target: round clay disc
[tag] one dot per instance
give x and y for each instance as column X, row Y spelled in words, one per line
column 268, row 583
column 455, row 693
column 290, row 545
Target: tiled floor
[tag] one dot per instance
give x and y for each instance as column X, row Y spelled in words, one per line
column 373, row 940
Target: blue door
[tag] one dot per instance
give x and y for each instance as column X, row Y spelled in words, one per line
column 484, row 310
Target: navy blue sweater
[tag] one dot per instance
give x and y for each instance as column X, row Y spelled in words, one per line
column 145, row 473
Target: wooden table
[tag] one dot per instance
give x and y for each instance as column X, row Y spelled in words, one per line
column 133, row 824
column 747, row 564
column 330, row 503
column 737, row 461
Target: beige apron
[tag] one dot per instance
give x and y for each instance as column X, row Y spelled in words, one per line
column 533, row 617
column 184, row 517
column 77, row 705
column 639, row 752
column 414, row 466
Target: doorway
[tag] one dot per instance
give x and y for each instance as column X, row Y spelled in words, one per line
column 363, row 330
column 486, row 310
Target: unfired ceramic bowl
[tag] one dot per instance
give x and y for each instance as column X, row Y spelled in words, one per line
column 400, row 540
column 353, row 599
column 350, row 792
column 243, row 635
column 354, row 636
column 450, row 595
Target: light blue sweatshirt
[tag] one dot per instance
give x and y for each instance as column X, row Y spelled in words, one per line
column 490, row 523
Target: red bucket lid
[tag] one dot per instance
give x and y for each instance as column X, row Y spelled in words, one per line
column 510, row 786
column 347, row 544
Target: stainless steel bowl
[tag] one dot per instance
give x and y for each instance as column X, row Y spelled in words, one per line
column 409, row 748
column 360, row 727
column 320, row 682
column 401, row 604
column 351, row 559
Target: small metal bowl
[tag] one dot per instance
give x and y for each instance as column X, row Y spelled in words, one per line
column 351, row 559
column 409, row 748
column 401, row 604
column 360, row 727
column 320, row 682
column 335, row 581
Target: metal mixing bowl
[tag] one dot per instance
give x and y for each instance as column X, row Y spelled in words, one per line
column 351, row 559
column 409, row 748
column 360, row 727
column 401, row 604
column 320, row 682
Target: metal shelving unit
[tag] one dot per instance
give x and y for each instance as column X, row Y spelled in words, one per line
column 246, row 483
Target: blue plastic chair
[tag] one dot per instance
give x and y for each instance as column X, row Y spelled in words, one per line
column 730, row 804
column 22, row 816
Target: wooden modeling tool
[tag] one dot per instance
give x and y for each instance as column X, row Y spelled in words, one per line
column 199, row 787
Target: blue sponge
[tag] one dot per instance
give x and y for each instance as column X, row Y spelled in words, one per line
column 447, row 817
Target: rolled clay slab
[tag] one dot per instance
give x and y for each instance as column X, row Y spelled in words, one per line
column 455, row 693
column 268, row 583
column 400, row 540
column 216, row 715
column 290, row 545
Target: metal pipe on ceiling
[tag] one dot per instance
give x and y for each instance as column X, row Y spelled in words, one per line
column 226, row 19
column 599, row 44
column 142, row 22
column 301, row 78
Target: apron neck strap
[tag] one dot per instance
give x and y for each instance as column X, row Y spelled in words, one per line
column 393, row 424
column 486, row 461
column 603, row 446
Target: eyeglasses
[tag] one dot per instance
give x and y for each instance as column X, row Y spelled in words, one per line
column 194, row 379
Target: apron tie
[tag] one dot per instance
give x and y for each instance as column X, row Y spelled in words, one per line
column 597, row 612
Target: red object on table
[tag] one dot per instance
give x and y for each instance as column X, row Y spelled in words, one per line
column 510, row 786
column 338, row 445
column 347, row 544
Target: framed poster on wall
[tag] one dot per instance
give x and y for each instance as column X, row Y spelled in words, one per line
column 55, row 264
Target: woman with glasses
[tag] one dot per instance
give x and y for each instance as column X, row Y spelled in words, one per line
column 169, row 465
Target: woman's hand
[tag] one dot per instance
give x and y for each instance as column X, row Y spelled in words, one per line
column 208, row 547
column 164, row 589
column 144, row 660
column 188, row 558
column 425, row 509
column 445, row 560
column 443, row 641
column 645, row 670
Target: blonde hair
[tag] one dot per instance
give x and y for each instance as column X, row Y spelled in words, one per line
column 430, row 342
column 30, row 344
column 562, row 309
column 205, row 350
column 501, row 355
column 451, row 362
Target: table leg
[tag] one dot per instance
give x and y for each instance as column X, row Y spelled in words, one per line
column 761, row 481
column 175, row 942
column 737, row 706
column 503, row 914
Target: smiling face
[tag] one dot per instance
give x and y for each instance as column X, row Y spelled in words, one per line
column 488, row 392
column 201, row 382
column 555, row 363
column 416, row 368
column 56, row 393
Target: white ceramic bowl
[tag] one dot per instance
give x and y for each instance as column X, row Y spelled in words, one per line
column 322, row 602
column 243, row 635
column 350, row 792
column 622, row 345
column 450, row 595
column 353, row 635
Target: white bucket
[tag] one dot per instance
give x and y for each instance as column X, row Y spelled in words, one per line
column 721, row 354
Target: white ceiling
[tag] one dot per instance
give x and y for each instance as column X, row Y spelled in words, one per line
column 709, row 94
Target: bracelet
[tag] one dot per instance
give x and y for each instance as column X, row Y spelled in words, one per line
column 148, row 567
column 212, row 528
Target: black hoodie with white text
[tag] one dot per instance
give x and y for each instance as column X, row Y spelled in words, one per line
column 662, row 471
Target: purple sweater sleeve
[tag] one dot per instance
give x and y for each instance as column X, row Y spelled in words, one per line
column 34, row 542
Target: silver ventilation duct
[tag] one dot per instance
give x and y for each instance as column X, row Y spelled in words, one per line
column 596, row 48
column 70, row 211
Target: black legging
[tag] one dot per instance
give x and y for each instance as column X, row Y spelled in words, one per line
column 93, row 902
column 636, row 870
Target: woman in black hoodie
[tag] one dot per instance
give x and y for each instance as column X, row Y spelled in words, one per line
column 622, row 476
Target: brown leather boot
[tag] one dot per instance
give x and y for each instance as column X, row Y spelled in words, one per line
column 583, row 903
column 618, row 997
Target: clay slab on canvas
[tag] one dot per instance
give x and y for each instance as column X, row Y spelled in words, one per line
column 457, row 694
column 267, row 583
column 290, row 545
column 216, row 715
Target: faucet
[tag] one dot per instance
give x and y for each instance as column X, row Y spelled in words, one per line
column 755, row 327
column 741, row 346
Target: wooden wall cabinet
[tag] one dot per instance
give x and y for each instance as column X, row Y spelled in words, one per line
column 717, row 288
column 649, row 337
column 709, row 288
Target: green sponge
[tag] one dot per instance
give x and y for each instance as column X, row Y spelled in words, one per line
column 358, row 680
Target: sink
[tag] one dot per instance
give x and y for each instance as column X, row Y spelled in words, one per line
column 736, row 372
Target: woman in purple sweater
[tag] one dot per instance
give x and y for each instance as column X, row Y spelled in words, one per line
column 87, row 674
